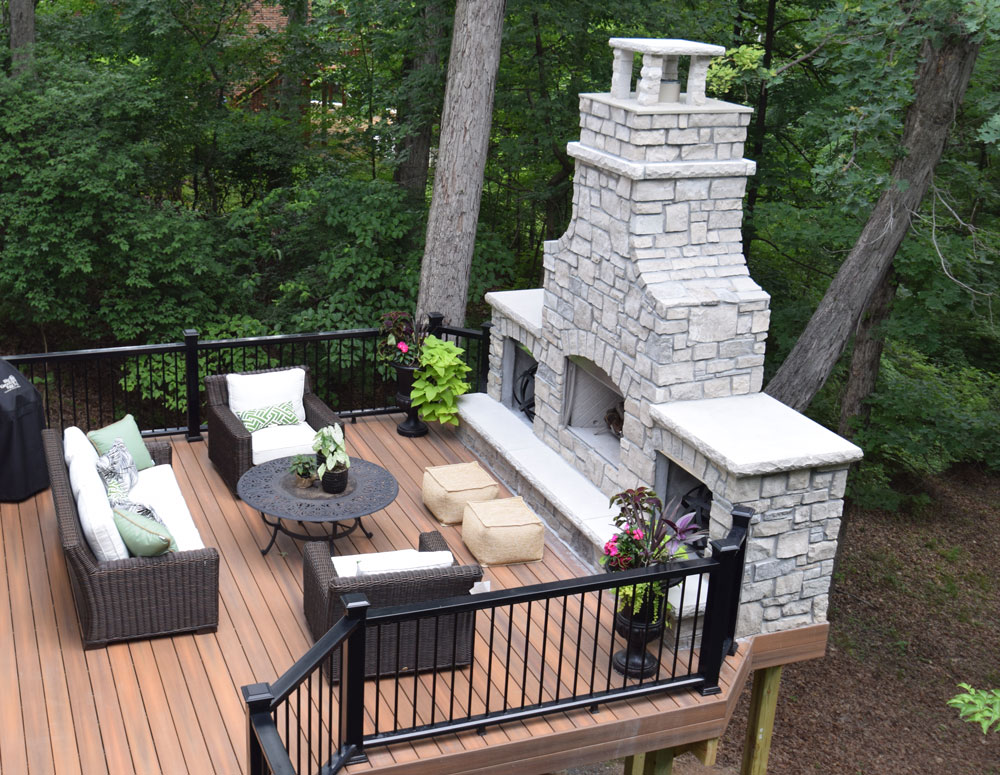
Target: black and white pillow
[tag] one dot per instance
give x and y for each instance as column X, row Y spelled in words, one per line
column 118, row 471
column 119, row 474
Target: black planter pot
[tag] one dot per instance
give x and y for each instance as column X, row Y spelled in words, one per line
column 335, row 481
column 412, row 426
column 639, row 628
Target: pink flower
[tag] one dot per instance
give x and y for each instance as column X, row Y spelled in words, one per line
column 637, row 534
column 403, row 347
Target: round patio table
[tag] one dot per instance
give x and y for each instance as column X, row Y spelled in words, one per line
column 270, row 488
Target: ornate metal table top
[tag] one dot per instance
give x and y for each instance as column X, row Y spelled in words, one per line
column 270, row 488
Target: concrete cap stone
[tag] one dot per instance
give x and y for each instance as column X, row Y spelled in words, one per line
column 754, row 434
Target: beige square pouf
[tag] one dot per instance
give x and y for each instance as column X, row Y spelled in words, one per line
column 503, row 531
column 447, row 489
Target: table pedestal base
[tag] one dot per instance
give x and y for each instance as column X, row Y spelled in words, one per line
column 339, row 531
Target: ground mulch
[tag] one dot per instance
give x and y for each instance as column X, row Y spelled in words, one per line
column 915, row 611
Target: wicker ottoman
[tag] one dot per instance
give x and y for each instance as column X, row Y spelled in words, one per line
column 503, row 531
column 448, row 488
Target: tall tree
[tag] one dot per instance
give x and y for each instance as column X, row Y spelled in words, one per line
column 22, row 31
column 464, row 140
column 942, row 77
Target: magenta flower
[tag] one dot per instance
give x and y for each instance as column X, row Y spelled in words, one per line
column 403, row 347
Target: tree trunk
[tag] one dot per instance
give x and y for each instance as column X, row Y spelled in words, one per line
column 869, row 341
column 415, row 146
column 941, row 79
column 22, row 32
column 458, row 179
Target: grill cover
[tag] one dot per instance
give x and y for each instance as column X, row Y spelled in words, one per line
column 23, row 471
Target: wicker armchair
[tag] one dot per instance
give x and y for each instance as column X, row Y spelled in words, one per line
column 322, row 590
column 229, row 442
column 140, row 597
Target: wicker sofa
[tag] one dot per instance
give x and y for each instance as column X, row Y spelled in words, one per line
column 137, row 597
column 323, row 588
column 230, row 444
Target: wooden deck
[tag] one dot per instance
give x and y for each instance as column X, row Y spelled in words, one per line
column 173, row 705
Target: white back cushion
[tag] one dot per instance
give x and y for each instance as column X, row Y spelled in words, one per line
column 76, row 444
column 96, row 519
column 276, row 441
column 390, row 562
column 253, row 391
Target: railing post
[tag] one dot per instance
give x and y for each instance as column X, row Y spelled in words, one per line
column 193, row 384
column 352, row 682
column 435, row 322
column 484, row 358
column 258, row 699
column 723, row 603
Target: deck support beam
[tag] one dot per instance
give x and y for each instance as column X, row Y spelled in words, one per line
column 662, row 762
column 760, row 723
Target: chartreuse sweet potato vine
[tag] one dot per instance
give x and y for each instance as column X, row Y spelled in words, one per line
column 439, row 381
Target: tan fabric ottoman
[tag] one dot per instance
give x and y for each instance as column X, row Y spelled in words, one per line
column 447, row 489
column 503, row 531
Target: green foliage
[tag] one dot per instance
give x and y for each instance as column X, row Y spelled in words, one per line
column 978, row 706
column 439, row 381
column 303, row 466
column 330, row 445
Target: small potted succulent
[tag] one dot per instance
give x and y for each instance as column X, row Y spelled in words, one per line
column 332, row 459
column 304, row 468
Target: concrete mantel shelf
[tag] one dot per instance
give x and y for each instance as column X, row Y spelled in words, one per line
column 754, row 435
column 667, row 46
column 524, row 307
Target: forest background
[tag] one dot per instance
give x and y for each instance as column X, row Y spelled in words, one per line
column 167, row 164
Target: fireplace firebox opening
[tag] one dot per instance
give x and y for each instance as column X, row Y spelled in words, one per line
column 593, row 408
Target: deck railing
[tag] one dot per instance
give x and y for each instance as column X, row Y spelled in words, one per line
column 537, row 650
column 162, row 385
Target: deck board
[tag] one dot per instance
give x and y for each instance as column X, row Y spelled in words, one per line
column 173, row 705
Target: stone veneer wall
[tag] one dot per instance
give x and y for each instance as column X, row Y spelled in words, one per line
column 793, row 535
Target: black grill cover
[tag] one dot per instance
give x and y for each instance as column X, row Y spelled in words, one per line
column 23, row 471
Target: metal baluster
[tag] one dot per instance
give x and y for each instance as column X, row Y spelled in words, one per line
column 527, row 649
column 694, row 623
column 510, row 650
column 434, row 672
column 395, row 710
column 489, row 658
column 579, row 640
column 378, row 672
column 545, row 643
column 677, row 634
column 597, row 635
column 454, row 666
column 562, row 640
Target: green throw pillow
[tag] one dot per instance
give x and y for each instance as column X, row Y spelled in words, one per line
column 126, row 430
column 279, row 414
column 143, row 536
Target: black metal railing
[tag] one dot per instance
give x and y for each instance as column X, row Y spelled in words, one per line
column 537, row 650
column 162, row 385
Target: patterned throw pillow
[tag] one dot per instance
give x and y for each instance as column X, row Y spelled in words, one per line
column 279, row 414
column 119, row 474
column 118, row 470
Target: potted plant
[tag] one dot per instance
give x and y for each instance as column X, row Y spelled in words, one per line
column 648, row 534
column 304, row 468
column 400, row 342
column 332, row 458
column 439, row 381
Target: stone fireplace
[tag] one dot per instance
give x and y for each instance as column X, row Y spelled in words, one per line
column 648, row 341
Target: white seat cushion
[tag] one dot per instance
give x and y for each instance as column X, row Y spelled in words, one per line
column 253, row 391
column 158, row 489
column 390, row 562
column 276, row 441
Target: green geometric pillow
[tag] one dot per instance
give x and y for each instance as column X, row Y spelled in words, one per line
column 143, row 536
column 279, row 414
